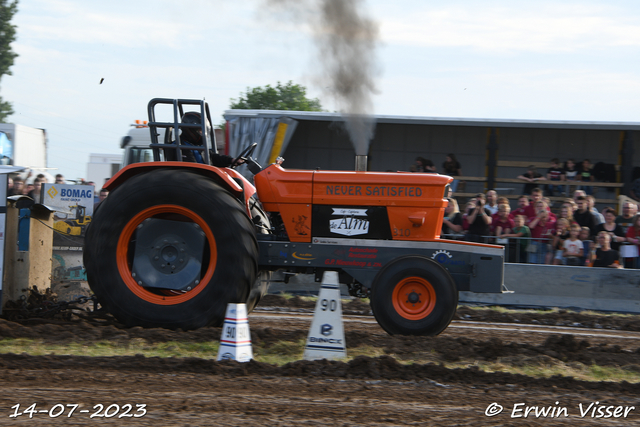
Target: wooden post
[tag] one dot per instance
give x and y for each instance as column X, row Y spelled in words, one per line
column 30, row 267
column 627, row 162
column 492, row 158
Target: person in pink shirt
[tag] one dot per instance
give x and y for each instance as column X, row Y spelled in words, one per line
column 495, row 216
column 536, row 195
column 542, row 205
column 518, row 249
column 523, row 203
column 541, row 231
column 503, row 200
column 503, row 223
column 633, row 237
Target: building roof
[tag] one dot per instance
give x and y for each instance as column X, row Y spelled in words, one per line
column 439, row 121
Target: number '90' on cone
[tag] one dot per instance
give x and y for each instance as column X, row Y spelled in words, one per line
column 326, row 336
column 235, row 341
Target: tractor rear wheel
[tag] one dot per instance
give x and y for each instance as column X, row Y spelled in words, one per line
column 413, row 295
column 170, row 248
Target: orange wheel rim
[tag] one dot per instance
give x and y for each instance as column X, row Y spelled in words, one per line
column 414, row 298
column 164, row 297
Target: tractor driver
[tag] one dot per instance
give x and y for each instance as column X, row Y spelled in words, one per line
column 193, row 136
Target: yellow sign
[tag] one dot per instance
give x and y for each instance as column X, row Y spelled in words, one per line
column 52, row 192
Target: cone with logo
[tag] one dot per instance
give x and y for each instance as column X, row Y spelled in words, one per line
column 326, row 336
column 235, row 341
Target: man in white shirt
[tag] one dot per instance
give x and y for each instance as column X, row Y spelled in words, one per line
column 492, row 202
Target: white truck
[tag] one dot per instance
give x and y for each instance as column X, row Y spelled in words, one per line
column 136, row 144
column 101, row 167
column 26, row 146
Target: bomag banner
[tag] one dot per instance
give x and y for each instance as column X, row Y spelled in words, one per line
column 73, row 206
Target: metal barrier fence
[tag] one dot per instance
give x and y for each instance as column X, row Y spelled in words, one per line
column 518, row 249
column 529, row 250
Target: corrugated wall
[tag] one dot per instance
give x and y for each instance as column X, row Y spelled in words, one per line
column 326, row 145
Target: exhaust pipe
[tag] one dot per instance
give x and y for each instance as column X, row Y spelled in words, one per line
column 361, row 163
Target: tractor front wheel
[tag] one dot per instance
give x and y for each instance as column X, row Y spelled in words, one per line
column 170, row 248
column 413, row 295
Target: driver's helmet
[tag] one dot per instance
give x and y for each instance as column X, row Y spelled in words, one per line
column 193, row 135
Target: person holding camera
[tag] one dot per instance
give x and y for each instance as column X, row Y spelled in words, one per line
column 479, row 220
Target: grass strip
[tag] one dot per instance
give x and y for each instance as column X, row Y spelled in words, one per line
column 284, row 352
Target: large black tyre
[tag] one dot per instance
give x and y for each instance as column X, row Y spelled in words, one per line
column 228, row 261
column 413, row 295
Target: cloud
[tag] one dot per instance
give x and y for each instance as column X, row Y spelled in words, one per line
column 545, row 94
column 82, row 23
column 517, row 59
column 534, row 27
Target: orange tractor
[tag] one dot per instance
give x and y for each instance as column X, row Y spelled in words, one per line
column 175, row 241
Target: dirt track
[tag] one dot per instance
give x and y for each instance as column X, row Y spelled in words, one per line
column 365, row 391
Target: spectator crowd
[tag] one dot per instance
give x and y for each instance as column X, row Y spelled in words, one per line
column 569, row 175
column 575, row 234
column 31, row 186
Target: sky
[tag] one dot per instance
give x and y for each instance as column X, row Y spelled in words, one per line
column 542, row 60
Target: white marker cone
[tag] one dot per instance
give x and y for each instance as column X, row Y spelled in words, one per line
column 235, row 341
column 326, row 336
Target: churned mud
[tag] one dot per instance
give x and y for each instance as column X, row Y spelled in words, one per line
column 384, row 390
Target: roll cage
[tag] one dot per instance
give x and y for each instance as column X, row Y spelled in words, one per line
column 169, row 143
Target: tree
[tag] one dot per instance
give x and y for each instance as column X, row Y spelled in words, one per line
column 282, row 97
column 7, row 55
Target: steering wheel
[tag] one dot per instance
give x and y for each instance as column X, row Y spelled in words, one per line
column 244, row 155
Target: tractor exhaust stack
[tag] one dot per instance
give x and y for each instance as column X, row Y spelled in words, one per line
column 361, row 163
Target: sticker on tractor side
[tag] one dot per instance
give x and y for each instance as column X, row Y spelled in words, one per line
column 370, row 222
column 351, row 263
column 352, row 222
column 301, row 226
column 378, row 190
column 444, row 257
column 370, row 253
column 303, row 256
column 325, row 241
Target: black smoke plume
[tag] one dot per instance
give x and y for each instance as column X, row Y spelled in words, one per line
column 346, row 39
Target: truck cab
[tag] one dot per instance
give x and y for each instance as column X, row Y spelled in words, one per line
column 136, row 144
